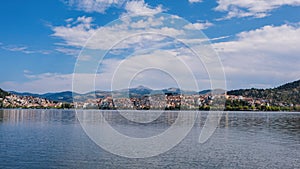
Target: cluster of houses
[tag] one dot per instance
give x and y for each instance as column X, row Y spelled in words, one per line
column 16, row 101
column 156, row 102
column 182, row 102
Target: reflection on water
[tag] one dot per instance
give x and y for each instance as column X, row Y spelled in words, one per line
column 16, row 116
column 55, row 139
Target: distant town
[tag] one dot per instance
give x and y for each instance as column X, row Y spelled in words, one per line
column 142, row 99
column 15, row 101
column 187, row 102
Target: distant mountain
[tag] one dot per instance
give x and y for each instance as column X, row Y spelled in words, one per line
column 203, row 92
column 287, row 93
column 66, row 96
column 172, row 91
column 140, row 90
column 215, row 91
column 24, row 94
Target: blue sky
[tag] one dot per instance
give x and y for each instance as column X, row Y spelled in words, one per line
column 40, row 41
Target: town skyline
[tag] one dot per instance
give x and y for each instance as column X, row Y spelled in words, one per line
column 281, row 98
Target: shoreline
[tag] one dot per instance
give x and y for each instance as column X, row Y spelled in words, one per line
column 141, row 110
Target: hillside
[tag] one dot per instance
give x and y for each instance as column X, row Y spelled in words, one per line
column 288, row 93
column 3, row 93
column 66, row 96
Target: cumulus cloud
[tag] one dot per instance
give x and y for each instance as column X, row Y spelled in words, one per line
column 198, row 25
column 94, row 5
column 77, row 33
column 139, row 7
column 251, row 8
column 262, row 57
column 268, row 55
column 282, row 39
column 150, row 22
column 149, row 39
column 132, row 7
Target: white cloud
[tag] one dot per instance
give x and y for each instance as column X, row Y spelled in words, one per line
column 139, row 7
column 195, row 1
column 15, row 48
column 262, row 57
column 68, row 51
column 27, row 71
column 251, row 8
column 282, row 39
column 150, row 37
column 150, row 22
column 77, row 33
column 85, row 58
column 94, row 5
column 269, row 55
column 132, row 7
column 198, row 26
column 69, row 20
column 219, row 38
column 84, row 21
column 24, row 49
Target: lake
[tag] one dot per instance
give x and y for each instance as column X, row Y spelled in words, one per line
column 56, row 139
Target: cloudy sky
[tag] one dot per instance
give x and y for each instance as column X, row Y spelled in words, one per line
column 42, row 43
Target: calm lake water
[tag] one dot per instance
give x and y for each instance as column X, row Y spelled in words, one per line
column 55, row 139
